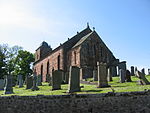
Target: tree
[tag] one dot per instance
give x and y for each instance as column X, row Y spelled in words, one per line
column 8, row 59
column 24, row 60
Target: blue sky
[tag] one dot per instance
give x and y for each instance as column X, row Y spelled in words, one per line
column 124, row 25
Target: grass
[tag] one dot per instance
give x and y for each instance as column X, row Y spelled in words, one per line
column 88, row 89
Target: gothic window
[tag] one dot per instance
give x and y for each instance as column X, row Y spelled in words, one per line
column 41, row 69
column 48, row 67
column 58, row 62
column 75, row 57
column 101, row 52
column 94, row 50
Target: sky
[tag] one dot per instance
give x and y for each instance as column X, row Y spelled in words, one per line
column 124, row 25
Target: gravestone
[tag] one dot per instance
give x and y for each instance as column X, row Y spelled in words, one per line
column 8, row 86
column 102, row 75
column 132, row 71
column 95, row 75
column 20, row 81
column 122, row 76
column 34, row 87
column 142, row 78
column 143, row 71
column 56, row 79
column 128, row 76
column 74, row 79
column 29, row 81
column 148, row 71
column 109, row 74
column 39, row 80
column 66, row 77
column 122, row 65
column 135, row 70
column 2, row 84
column 114, row 71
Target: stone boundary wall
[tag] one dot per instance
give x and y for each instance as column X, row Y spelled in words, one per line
column 131, row 102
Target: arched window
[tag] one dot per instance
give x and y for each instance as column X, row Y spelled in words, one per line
column 75, row 57
column 58, row 62
column 41, row 70
column 47, row 68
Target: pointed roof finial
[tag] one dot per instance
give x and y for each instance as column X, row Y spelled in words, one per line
column 87, row 24
column 93, row 28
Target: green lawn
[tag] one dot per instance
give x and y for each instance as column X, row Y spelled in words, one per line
column 88, row 89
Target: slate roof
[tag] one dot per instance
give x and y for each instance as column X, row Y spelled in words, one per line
column 82, row 40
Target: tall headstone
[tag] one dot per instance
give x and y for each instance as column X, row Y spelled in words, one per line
column 128, row 76
column 143, row 71
column 74, row 79
column 56, row 79
column 34, row 87
column 142, row 78
column 39, row 80
column 2, row 84
column 29, row 81
column 20, row 81
column 66, row 77
column 122, row 76
column 114, row 71
column 8, row 87
column 102, row 75
column 95, row 75
column 109, row 74
column 148, row 71
column 132, row 71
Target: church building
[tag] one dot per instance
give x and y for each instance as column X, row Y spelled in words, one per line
column 83, row 50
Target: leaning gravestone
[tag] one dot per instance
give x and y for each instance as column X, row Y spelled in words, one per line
column 128, row 76
column 56, row 79
column 20, row 81
column 8, row 87
column 102, row 75
column 34, row 87
column 142, row 78
column 29, row 81
column 2, row 84
column 122, row 75
column 132, row 71
column 74, row 79
column 39, row 80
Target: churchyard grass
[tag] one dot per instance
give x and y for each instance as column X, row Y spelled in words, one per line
column 88, row 89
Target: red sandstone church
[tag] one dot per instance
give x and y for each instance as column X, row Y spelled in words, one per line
column 83, row 50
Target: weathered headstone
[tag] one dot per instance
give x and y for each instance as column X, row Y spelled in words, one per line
column 148, row 71
column 142, row 78
column 39, row 80
column 114, row 71
column 74, row 79
column 8, row 87
column 95, row 75
column 29, row 81
column 143, row 71
column 2, row 84
column 20, row 81
column 122, row 74
column 102, row 75
column 132, row 71
column 66, row 77
column 56, row 80
column 135, row 70
column 128, row 76
column 34, row 87
column 109, row 74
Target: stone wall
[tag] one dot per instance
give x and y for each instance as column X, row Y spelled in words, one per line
column 134, row 102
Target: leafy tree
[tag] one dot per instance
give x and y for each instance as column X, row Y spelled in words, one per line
column 24, row 60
